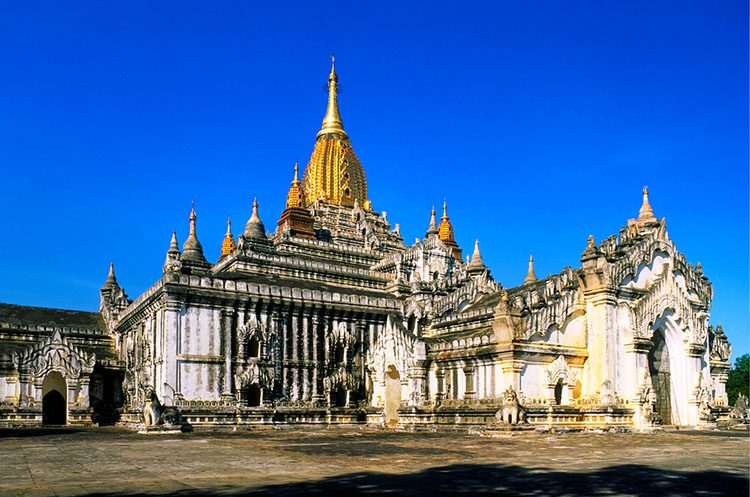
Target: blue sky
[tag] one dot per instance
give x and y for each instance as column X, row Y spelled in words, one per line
column 539, row 121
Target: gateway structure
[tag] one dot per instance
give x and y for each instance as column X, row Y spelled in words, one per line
column 331, row 318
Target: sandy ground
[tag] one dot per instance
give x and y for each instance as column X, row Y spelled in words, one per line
column 339, row 461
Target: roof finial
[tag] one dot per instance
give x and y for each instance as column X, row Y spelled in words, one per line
column 445, row 229
column 173, row 246
column 332, row 122
column 227, row 245
column 646, row 213
column 111, row 280
column 476, row 266
column 254, row 226
column 432, row 230
column 171, row 262
column 296, row 195
column 192, row 249
column 530, row 276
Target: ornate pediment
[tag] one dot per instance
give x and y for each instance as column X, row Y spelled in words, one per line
column 255, row 373
column 54, row 353
column 557, row 370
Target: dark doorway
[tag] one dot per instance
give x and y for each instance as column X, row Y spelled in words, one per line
column 253, row 348
column 339, row 354
column 338, row 397
column 53, row 408
column 658, row 365
column 558, row 392
column 254, row 395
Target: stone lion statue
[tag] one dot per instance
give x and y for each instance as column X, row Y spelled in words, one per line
column 154, row 413
column 741, row 410
column 512, row 412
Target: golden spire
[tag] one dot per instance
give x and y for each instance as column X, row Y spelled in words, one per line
column 530, row 276
column 646, row 213
column 295, row 181
column 227, row 245
column 332, row 122
column 445, row 229
column 334, row 172
column 296, row 195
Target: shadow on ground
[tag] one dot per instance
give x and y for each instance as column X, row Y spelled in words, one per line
column 474, row 479
column 37, row 432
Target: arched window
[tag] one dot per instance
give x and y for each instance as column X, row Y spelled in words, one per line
column 253, row 347
column 339, row 355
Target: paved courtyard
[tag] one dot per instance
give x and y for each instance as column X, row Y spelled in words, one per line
column 114, row 462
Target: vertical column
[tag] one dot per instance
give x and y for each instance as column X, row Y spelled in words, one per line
column 416, row 378
column 694, row 352
column 83, row 391
column 511, row 375
column 305, row 356
column 227, row 324
column 171, row 385
column 317, row 392
column 294, row 357
column 279, row 348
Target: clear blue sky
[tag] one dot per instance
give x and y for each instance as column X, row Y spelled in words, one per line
column 539, row 121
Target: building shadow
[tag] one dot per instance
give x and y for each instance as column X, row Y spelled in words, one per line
column 478, row 479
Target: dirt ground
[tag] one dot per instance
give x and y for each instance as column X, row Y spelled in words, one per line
column 349, row 461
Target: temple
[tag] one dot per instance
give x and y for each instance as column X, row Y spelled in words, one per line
column 332, row 319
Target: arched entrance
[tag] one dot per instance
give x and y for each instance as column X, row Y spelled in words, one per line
column 559, row 391
column 254, row 395
column 661, row 379
column 339, row 397
column 392, row 396
column 54, row 404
